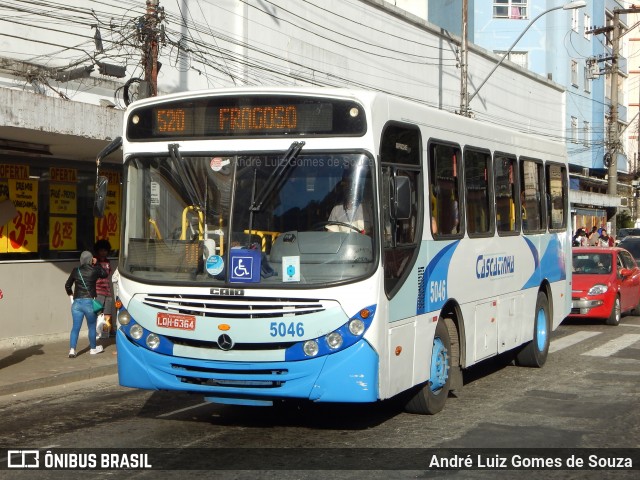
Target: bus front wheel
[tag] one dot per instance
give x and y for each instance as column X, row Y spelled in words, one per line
column 534, row 353
column 430, row 398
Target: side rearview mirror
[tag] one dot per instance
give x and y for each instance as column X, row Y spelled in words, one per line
column 400, row 198
column 100, row 201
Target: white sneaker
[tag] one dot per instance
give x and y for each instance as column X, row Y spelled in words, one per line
column 72, row 353
column 96, row 350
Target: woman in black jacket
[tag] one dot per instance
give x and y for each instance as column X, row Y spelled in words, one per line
column 84, row 277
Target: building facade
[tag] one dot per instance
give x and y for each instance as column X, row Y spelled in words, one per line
column 579, row 56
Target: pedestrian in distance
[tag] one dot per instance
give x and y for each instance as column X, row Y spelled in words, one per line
column 605, row 240
column 580, row 238
column 84, row 277
column 594, row 237
column 103, row 286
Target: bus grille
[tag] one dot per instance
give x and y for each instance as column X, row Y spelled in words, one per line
column 234, row 307
column 216, row 377
column 213, row 345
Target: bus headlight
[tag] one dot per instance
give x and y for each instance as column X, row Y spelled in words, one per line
column 123, row 317
column 310, row 348
column 136, row 332
column 153, row 341
column 334, row 340
column 356, row 327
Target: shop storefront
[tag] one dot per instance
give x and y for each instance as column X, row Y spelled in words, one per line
column 47, row 221
column 48, row 147
column 588, row 217
column 50, row 211
column 591, row 208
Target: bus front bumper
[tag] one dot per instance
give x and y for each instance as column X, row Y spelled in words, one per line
column 350, row 375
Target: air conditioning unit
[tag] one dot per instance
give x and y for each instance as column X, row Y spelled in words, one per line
column 624, row 202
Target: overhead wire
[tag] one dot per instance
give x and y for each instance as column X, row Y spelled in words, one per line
column 368, row 27
column 302, row 67
column 261, row 67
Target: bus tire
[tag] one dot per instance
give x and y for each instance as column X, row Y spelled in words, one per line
column 431, row 396
column 534, row 353
column 616, row 313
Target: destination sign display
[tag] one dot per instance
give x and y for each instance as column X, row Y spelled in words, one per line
column 256, row 116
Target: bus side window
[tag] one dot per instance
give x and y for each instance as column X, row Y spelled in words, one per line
column 445, row 189
column 531, row 195
column 556, row 196
column 507, row 214
column 477, row 168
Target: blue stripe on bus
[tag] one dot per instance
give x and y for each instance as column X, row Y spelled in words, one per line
column 552, row 263
column 534, row 253
column 433, row 291
column 436, row 275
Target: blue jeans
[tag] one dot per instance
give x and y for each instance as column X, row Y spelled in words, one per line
column 82, row 307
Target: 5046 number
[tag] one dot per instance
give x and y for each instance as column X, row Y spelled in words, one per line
column 282, row 329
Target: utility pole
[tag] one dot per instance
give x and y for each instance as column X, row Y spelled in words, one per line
column 613, row 130
column 464, row 49
column 636, row 170
column 150, row 48
column 613, row 134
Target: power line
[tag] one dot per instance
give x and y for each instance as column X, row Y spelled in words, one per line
column 214, row 51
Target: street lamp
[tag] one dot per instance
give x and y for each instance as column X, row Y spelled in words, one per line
column 567, row 6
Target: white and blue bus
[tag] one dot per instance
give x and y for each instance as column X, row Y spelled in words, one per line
column 332, row 245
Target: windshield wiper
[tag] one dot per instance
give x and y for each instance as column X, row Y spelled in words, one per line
column 184, row 178
column 277, row 177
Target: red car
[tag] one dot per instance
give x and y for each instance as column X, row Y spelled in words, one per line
column 606, row 283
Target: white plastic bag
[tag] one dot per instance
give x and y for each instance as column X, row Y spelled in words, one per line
column 100, row 324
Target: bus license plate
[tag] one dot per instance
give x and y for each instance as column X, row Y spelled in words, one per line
column 174, row 320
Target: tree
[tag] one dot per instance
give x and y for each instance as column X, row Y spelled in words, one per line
column 624, row 220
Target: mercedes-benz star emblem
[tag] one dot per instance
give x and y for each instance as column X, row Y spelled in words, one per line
column 225, row 342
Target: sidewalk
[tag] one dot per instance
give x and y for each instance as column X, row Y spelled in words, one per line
column 47, row 365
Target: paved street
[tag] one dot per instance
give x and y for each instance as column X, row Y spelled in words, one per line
column 586, row 396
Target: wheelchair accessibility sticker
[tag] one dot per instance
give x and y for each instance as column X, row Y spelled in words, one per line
column 245, row 266
column 241, row 268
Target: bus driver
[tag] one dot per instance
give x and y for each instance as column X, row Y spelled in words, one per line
column 349, row 212
column 349, row 215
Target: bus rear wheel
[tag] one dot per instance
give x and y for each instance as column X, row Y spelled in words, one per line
column 430, row 398
column 534, row 353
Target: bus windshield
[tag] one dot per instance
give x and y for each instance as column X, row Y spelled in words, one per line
column 307, row 218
